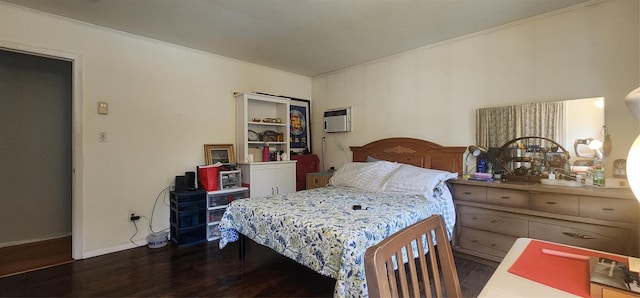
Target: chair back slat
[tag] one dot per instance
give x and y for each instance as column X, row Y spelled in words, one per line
column 390, row 273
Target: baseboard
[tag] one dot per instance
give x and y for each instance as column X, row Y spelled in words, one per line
column 108, row 250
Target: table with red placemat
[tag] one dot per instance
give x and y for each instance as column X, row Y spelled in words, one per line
column 536, row 268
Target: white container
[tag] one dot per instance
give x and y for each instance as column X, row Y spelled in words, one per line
column 157, row 240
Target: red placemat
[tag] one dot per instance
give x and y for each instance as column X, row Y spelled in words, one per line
column 566, row 274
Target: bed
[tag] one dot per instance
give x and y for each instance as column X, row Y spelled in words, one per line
column 391, row 183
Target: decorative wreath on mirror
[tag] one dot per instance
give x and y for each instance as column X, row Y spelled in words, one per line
column 504, row 155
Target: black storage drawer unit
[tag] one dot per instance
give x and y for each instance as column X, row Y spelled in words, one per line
column 189, row 236
column 188, row 217
column 186, row 206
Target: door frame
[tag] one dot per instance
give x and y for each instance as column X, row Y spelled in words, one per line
column 77, row 153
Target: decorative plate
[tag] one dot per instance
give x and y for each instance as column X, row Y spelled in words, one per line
column 253, row 136
column 269, row 136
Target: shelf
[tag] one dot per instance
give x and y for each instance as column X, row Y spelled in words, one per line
column 262, row 143
column 267, row 124
column 520, row 159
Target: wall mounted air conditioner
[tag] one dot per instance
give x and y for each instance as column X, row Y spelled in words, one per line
column 337, row 120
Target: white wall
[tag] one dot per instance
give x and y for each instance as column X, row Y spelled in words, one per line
column 165, row 103
column 432, row 92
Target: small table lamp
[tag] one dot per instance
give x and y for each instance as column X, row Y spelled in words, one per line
column 633, row 159
column 475, row 151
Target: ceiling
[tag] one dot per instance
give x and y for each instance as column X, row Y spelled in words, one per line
column 308, row 37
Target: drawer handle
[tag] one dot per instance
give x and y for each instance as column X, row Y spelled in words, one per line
column 467, row 192
column 493, row 245
column 577, row 236
column 474, row 241
column 494, row 221
column 608, row 209
column 475, row 217
column 551, row 203
column 505, row 197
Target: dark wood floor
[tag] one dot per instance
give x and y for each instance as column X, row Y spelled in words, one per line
column 201, row 270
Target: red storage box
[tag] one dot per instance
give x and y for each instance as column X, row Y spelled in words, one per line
column 208, row 177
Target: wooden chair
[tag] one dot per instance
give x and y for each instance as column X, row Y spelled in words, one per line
column 424, row 275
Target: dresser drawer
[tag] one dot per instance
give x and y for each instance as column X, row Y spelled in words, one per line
column 508, row 197
column 315, row 180
column 485, row 242
column 470, row 193
column 609, row 209
column 581, row 234
column 555, row 203
column 493, row 221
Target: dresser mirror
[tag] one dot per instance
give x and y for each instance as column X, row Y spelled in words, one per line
column 576, row 124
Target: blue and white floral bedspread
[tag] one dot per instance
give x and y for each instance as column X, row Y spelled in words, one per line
column 319, row 228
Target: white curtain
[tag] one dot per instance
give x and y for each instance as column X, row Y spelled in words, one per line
column 496, row 126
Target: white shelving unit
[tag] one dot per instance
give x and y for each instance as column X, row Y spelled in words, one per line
column 252, row 109
column 217, row 202
column 264, row 178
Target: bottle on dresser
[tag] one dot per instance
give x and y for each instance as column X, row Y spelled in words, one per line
column 588, row 178
column 598, row 176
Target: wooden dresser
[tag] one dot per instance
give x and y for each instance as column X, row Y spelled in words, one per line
column 492, row 215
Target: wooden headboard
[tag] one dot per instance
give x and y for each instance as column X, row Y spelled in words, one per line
column 411, row 151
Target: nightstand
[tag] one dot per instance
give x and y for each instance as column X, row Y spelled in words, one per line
column 318, row 179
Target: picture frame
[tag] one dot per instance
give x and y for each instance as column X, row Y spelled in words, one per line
column 300, row 125
column 222, row 153
column 620, row 168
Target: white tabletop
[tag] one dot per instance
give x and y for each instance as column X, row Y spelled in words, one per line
column 505, row 284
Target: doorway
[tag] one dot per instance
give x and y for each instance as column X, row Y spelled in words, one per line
column 40, row 149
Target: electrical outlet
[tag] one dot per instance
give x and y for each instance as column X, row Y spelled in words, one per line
column 131, row 214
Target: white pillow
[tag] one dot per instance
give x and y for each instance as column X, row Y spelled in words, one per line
column 410, row 179
column 363, row 175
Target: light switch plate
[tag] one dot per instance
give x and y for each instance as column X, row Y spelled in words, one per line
column 102, row 137
column 103, row 108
